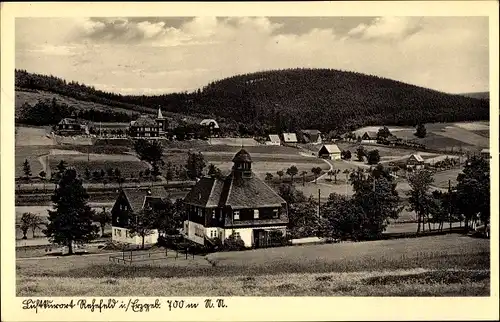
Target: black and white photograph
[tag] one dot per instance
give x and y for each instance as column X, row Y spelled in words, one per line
column 252, row 156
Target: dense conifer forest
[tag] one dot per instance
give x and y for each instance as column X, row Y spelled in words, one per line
column 289, row 100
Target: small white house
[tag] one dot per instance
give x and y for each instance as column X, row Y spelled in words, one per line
column 329, row 151
column 290, row 138
column 415, row 161
column 274, row 139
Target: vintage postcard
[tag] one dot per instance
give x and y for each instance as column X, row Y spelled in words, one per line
column 250, row 161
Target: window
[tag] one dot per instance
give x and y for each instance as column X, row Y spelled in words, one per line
column 200, row 212
column 256, row 214
column 275, row 213
column 236, row 215
column 213, row 213
column 237, row 234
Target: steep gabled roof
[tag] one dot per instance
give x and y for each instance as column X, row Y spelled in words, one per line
column 417, row 157
column 136, row 197
column 251, row 193
column 208, row 122
column 275, row 138
column 371, row 134
column 144, row 121
column 290, row 137
column 330, row 148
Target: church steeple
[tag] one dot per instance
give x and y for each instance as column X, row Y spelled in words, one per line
column 160, row 115
column 242, row 164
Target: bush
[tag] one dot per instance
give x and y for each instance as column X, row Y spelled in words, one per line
column 233, row 243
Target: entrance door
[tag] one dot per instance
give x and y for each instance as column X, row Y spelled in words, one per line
column 260, row 238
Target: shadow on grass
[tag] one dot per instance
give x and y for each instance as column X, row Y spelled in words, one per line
column 478, row 261
column 432, row 277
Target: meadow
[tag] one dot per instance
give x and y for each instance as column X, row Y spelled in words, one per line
column 432, row 266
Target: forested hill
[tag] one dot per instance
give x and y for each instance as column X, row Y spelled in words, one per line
column 480, row 95
column 297, row 98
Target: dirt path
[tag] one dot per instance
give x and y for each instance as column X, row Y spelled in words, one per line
column 326, row 172
column 45, row 165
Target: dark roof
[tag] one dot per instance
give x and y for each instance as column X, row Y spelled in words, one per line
column 371, row 134
column 234, row 192
column 136, row 197
column 144, row 121
column 250, row 193
column 242, row 156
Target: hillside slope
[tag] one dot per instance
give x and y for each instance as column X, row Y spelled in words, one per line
column 290, row 100
column 479, row 95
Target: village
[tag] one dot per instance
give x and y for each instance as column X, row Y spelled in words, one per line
column 237, row 198
column 215, row 163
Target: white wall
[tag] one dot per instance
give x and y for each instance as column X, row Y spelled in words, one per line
column 335, row 156
column 194, row 232
column 122, row 235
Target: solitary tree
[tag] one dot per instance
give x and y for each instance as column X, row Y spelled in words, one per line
column 61, row 167
column 195, row 165
column 419, row 196
column 316, row 171
column 213, row 171
column 280, row 173
column 103, row 217
column 346, row 172
column 169, row 175
column 27, row 169
column 303, row 173
column 269, row 176
column 292, row 172
column 143, row 223
column 72, row 219
column 334, row 172
column 30, row 221
column 373, row 157
column 421, row 132
column 473, row 190
column 360, row 153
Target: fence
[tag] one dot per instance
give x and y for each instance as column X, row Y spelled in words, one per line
column 128, row 257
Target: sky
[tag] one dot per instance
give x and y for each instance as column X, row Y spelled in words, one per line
column 155, row 55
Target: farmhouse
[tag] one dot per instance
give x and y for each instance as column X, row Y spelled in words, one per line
column 485, row 153
column 329, row 151
column 369, row 137
column 415, row 161
column 290, row 138
column 130, row 201
column 310, row 136
column 240, row 204
column 212, row 125
column 273, row 139
column 144, row 127
column 68, row 126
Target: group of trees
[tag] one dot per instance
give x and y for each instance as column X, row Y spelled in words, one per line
column 293, row 171
column 372, row 156
column 375, row 201
column 73, row 221
column 51, row 112
column 274, row 101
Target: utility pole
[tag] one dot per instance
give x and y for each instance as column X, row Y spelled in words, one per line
column 319, row 203
column 449, row 202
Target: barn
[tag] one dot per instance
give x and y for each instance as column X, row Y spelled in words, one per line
column 415, row 161
column 273, row 139
column 329, row 151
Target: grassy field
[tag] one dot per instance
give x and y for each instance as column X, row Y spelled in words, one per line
column 268, row 149
column 441, row 265
column 128, row 164
column 441, row 178
column 29, row 136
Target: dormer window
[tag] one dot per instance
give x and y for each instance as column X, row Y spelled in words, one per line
column 275, row 213
column 256, row 214
column 236, row 215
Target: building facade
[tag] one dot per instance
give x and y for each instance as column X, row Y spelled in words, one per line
column 148, row 127
column 415, row 161
column 240, row 204
column 130, row 201
column 329, row 151
column 69, row 126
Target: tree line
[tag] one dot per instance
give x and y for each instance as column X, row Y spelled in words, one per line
column 291, row 99
column 366, row 214
column 51, row 112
